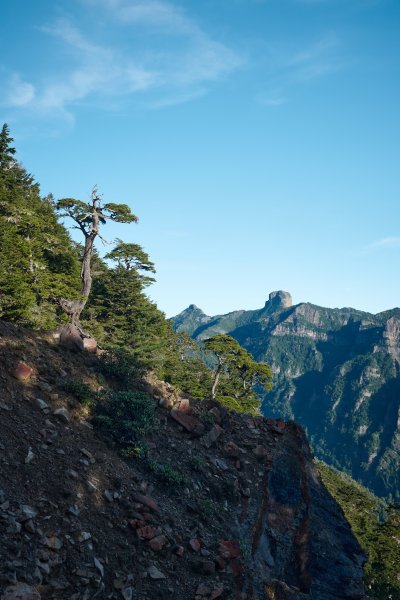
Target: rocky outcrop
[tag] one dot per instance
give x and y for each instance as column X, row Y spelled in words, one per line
column 224, row 506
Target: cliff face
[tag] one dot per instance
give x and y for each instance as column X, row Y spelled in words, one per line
column 224, row 506
column 336, row 372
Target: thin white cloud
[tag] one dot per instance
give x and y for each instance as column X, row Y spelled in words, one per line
column 293, row 67
column 387, row 242
column 173, row 69
column 18, row 92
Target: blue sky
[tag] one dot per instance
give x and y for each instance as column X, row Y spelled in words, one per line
column 257, row 141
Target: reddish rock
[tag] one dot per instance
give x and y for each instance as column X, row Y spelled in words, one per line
column 183, row 405
column 158, row 543
column 236, row 567
column 23, row 371
column 147, row 501
column 188, row 422
column 195, row 544
column 276, row 425
column 146, row 533
column 229, row 548
column 216, row 593
column 21, row 591
column 211, row 436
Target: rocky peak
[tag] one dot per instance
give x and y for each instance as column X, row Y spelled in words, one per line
column 278, row 300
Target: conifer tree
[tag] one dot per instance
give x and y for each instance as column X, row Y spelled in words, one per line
column 38, row 260
column 88, row 218
column 236, row 374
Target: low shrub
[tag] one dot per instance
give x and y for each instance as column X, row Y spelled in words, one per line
column 124, row 415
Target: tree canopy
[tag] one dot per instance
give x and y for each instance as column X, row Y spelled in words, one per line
column 237, row 374
column 88, row 218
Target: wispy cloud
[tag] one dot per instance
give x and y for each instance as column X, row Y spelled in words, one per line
column 387, row 242
column 175, row 67
column 291, row 67
column 18, row 92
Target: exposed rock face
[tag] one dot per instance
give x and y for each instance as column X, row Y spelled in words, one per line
column 248, row 520
column 336, row 371
column 279, row 300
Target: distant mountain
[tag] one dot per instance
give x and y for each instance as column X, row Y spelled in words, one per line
column 336, row 372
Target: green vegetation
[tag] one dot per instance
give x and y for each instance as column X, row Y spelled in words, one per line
column 46, row 279
column 124, row 415
column 379, row 539
column 236, row 375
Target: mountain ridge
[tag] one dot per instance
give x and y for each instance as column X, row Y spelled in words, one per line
column 336, row 372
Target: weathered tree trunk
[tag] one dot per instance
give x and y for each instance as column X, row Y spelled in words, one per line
column 74, row 308
column 215, row 382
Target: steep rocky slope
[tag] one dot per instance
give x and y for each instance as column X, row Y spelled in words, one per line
column 228, row 507
column 336, row 372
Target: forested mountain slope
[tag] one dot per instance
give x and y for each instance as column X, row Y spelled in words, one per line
column 336, row 372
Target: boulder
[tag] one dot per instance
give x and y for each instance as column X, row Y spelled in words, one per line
column 90, row 345
column 23, row 371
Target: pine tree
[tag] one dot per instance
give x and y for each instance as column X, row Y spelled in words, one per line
column 88, row 218
column 38, row 259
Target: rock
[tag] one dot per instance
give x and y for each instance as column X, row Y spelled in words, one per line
column 127, row 593
column 235, row 567
column 146, row 533
column 91, row 488
column 260, row 452
column 183, row 405
column 179, row 550
column 211, row 436
column 188, row 422
column 42, row 404
column 52, row 542
column 229, row 549
column 279, row 300
column 21, row 591
column 98, row 566
column 108, row 496
column 276, row 425
column 195, row 544
column 158, row 543
column 216, row 593
column 74, row 510
column 71, row 338
column 62, row 414
column 89, row 345
column 23, row 372
column 202, row 590
column 83, row 536
column 155, row 573
column 29, row 457
column 147, row 501
column 88, row 455
column 166, row 403
column 231, row 450
column 27, row 512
